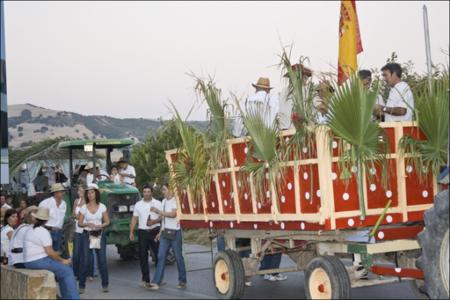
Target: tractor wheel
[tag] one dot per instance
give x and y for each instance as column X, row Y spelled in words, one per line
column 229, row 275
column 434, row 261
column 327, row 278
column 128, row 252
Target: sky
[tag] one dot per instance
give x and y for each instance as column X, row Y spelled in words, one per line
column 129, row 59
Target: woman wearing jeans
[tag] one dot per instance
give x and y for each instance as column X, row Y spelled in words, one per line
column 93, row 219
column 169, row 237
column 39, row 254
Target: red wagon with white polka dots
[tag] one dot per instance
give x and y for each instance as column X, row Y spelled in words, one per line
column 315, row 218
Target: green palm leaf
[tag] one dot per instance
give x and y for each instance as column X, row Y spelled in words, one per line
column 362, row 142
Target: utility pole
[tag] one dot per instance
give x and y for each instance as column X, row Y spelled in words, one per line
column 427, row 44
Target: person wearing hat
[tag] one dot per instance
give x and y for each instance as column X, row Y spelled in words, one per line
column 127, row 172
column 285, row 102
column 16, row 246
column 263, row 101
column 321, row 101
column 57, row 208
column 39, row 254
column 93, row 218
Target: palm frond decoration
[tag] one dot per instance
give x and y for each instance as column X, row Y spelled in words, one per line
column 362, row 143
column 431, row 154
column 219, row 130
column 191, row 168
column 264, row 159
column 301, row 94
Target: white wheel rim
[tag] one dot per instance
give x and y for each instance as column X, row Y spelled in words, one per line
column 222, row 277
column 444, row 261
column 319, row 284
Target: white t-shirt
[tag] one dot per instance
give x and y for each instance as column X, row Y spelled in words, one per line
column 269, row 104
column 400, row 96
column 95, row 218
column 34, row 242
column 78, row 229
column 169, row 223
column 5, row 240
column 129, row 170
column 57, row 214
column 17, row 241
column 142, row 211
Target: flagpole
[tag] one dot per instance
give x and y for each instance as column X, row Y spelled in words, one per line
column 427, row 43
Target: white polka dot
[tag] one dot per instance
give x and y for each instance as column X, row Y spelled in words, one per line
column 225, row 202
column 289, row 186
column 318, row 193
column 389, row 218
column 425, row 193
column 354, row 169
column 305, row 150
column 210, row 224
column 239, row 183
column 398, row 270
column 345, row 196
column 333, row 176
column 235, row 162
column 302, row 226
column 373, row 187
column 373, row 171
column 307, row 195
column 267, row 194
column 282, row 225
column 223, row 183
column 213, row 205
column 259, row 205
column 245, row 150
column 231, row 224
column 334, row 144
column 255, row 226
column 245, row 196
column 389, row 194
column 305, row 176
column 283, row 199
column 350, row 222
column 380, row 235
column 214, row 179
column 409, row 169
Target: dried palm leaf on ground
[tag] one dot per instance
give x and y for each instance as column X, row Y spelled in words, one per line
column 362, row 143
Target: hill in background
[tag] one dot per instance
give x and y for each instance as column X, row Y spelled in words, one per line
column 30, row 124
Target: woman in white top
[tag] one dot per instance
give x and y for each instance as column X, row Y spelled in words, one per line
column 17, row 258
column 9, row 223
column 77, row 241
column 39, row 254
column 169, row 237
column 93, row 218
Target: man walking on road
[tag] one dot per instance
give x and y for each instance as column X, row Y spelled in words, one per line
column 149, row 225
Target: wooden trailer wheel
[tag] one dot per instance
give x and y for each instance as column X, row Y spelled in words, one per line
column 229, row 275
column 327, row 278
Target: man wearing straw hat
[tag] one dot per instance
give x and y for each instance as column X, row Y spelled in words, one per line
column 57, row 208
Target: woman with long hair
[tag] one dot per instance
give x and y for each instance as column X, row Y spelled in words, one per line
column 93, row 219
column 9, row 224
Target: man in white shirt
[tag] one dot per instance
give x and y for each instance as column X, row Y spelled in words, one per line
column 57, row 208
column 148, row 229
column 400, row 103
column 127, row 172
column 263, row 101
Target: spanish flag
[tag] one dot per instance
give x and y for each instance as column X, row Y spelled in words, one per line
column 349, row 40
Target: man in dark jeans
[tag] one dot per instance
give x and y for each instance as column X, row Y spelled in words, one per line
column 149, row 225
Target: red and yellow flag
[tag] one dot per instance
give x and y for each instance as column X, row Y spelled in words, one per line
column 349, row 40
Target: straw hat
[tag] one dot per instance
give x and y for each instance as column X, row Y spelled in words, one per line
column 92, row 186
column 89, row 166
column 57, row 187
column 41, row 214
column 299, row 67
column 31, row 209
column 263, row 83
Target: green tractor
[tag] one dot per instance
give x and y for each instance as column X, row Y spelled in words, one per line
column 118, row 198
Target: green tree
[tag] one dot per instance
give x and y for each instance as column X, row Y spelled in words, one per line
column 149, row 158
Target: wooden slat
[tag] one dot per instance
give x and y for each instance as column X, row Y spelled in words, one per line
column 237, row 207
